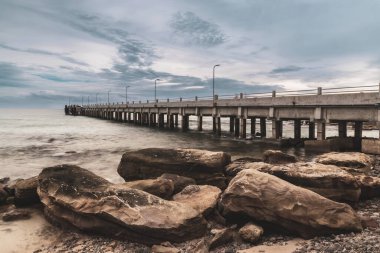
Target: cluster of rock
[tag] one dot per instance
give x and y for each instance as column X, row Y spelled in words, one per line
column 175, row 195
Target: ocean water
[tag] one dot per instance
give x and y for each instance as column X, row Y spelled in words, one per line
column 31, row 140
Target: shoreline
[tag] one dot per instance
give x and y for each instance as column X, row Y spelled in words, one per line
column 37, row 235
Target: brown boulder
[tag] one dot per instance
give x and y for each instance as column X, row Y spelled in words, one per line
column 202, row 198
column 162, row 188
column 179, row 182
column 26, row 192
column 251, row 232
column 278, row 157
column 327, row 180
column 354, row 162
column 370, row 186
column 205, row 167
column 74, row 196
column 267, row 198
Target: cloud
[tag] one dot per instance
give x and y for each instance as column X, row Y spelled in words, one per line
column 191, row 29
column 285, row 69
column 11, row 76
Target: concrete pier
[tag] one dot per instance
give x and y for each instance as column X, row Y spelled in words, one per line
column 317, row 110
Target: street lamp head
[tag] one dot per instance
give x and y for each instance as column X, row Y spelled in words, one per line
column 216, row 65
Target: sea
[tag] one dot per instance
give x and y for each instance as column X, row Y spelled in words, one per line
column 32, row 139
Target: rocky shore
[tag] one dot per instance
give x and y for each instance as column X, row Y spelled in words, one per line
column 186, row 200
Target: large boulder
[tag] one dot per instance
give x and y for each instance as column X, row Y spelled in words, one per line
column 202, row 198
column 278, row 157
column 205, row 167
column 74, row 196
column 162, row 188
column 267, row 198
column 26, row 192
column 370, row 186
column 355, row 162
column 327, row 180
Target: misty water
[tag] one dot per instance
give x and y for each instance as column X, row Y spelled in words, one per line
column 33, row 139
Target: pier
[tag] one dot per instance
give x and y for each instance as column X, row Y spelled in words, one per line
column 317, row 108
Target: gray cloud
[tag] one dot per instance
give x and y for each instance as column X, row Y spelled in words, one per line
column 11, row 76
column 44, row 52
column 285, row 69
column 191, row 29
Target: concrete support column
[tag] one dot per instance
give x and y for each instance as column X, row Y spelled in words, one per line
column 297, row 129
column 218, row 126
column 129, row 117
column 276, row 129
column 342, row 129
column 358, row 135
column 200, row 119
column 243, row 128
column 253, row 127
column 263, row 127
column 321, row 131
column 311, row 130
column 237, row 127
column 185, row 122
column 176, row 120
column 161, row 120
column 120, row 116
column 213, row 124
column 171, row 121
column 232, row 124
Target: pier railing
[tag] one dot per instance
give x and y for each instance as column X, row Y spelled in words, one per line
column 279, row 93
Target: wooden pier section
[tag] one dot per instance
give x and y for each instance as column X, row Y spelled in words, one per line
column 315, row 107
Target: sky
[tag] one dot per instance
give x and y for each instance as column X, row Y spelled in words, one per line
column 56, row 52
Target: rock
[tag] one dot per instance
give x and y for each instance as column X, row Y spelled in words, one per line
column 370, row 186
column 278, row 157
column 3, row 195
column 201, row 247
column 16, row 214
column 26, row 192
column 205, row 167
column 236, row 166
column 267, row 198
column 165, row 248
column 179, row 182
column 351, row 161
column 11, row 186
column 202, row 198
column 327, row 180
column 370, row 223
column 75, row 196
column 4, row 180
column 251, row 232
column 221, row 236
column 162, row 188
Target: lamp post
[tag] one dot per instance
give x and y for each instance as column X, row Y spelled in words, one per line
column 109, row 96
column 213, row 82
column 155, row 89
column 126, row 94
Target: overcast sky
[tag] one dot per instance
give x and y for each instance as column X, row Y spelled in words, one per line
column 53, row 50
